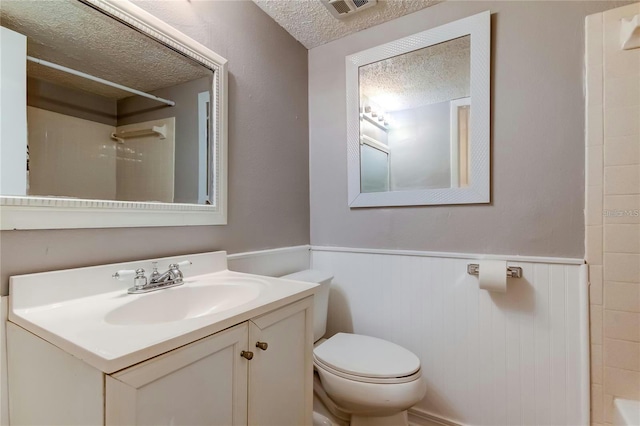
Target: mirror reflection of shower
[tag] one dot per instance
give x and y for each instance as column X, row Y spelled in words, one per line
column 129, row 121
column 414, row 119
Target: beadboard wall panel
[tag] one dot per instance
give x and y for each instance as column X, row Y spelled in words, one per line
column 514, row 358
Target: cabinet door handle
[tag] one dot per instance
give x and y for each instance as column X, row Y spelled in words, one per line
column 262, row 345
column 246, row 354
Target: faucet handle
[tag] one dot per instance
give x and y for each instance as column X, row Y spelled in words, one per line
column 174, row 268
column 139, row 280
column 154, row 274
column 184, row 264
column 123, row 274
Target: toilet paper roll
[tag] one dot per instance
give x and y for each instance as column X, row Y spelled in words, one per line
column 493, row 275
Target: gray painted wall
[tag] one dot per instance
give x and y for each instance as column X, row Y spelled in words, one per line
column 537, row 139
column 136, row 109
column 268, row 153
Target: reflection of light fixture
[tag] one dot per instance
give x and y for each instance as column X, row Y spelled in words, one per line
column 376, row 118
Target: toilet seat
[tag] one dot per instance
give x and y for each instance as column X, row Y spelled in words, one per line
column 366, row 359
column 374, row 380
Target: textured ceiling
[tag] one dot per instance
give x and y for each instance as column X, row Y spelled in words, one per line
column 309, row 22
column 71, row 34
column 426, row 76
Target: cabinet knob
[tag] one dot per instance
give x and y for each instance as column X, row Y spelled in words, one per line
column 262, row 345
column 246, row 354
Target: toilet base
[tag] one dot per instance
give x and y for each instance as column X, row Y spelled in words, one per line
column 371, row 417
column 325, row 407
column 399, row 419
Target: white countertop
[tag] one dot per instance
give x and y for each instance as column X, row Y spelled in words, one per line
column 78, row 326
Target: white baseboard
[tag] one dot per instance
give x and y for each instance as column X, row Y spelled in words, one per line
column 419, row 417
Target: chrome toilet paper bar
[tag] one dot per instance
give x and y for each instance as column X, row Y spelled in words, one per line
column 512, row 271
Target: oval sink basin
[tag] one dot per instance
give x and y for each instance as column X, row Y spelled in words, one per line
column 192, row 300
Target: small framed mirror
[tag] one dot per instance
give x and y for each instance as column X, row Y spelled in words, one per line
column 418, row 118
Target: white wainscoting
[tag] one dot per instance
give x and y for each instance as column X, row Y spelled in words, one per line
column 514, row 358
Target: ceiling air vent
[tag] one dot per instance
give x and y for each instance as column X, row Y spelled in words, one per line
column 342, row 8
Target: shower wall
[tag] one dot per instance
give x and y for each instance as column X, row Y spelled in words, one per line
column 145, row 165
column 70, row 156
column 612, row 213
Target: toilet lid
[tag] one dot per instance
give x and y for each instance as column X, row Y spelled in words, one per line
column 366, row 356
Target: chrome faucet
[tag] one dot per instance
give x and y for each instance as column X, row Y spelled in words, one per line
column 141, row 284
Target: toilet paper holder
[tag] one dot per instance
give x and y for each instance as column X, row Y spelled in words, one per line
column 512, row 271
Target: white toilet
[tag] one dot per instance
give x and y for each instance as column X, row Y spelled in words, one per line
column 360, row 380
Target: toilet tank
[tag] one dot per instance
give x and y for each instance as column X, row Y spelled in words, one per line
column 320, row 300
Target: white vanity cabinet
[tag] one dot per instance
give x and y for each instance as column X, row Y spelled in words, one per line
column 281, row 377
column 206, row 382
column 203, row 383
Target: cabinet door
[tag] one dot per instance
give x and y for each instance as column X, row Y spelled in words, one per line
column 281, row 377
column 203, row 383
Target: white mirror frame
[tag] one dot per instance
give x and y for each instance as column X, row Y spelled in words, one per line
column 478, row 191
column 57, row 213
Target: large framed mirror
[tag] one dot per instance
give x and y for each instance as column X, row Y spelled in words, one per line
column 110, row 118
column 418, row 118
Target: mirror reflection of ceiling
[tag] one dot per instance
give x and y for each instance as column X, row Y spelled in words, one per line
column 72, row 34
column 426, row 76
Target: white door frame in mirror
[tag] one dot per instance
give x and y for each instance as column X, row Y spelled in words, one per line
column 479, row 28
column 58, row 213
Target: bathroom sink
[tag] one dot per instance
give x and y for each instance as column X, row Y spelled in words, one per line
column 91, row 316
column 186, row 302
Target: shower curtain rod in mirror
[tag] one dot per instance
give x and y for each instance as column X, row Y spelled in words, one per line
column 99, row 80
